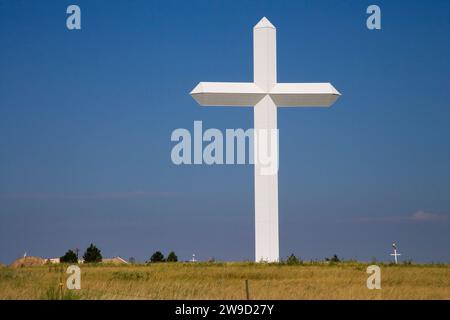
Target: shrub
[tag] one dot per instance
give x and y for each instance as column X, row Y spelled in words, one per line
column 55, row 292
column 408, row 262
column 333, row 259
column 130, row 275
column 292, row 259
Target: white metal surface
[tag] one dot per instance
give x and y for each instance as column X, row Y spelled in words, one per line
column 265, row 94
column 395, row 254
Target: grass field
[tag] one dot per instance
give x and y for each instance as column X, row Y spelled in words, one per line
column 227, row 281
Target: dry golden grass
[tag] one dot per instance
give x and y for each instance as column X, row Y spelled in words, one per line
column 227, row 281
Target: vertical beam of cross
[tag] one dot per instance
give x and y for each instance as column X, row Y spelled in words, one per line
column 265, row 119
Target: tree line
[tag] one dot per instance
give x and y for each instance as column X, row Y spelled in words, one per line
column 94, row 255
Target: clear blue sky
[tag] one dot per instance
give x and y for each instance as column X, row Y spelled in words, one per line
column 86, row 118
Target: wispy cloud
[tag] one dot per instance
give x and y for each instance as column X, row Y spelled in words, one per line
column 418, row 216
column 428, row 216
column 88, row 195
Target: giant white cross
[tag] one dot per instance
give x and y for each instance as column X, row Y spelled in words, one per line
column 265, row 94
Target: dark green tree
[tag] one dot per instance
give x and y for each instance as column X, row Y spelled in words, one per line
column 172, row 257
column 92, row 254
column 157, row 257
column 69, row 257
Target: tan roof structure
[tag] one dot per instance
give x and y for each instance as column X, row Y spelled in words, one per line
column 115, row 260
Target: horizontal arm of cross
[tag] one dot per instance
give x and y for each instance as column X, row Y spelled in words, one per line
column 304, row 94
column 249, row 94
column 244, row 94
